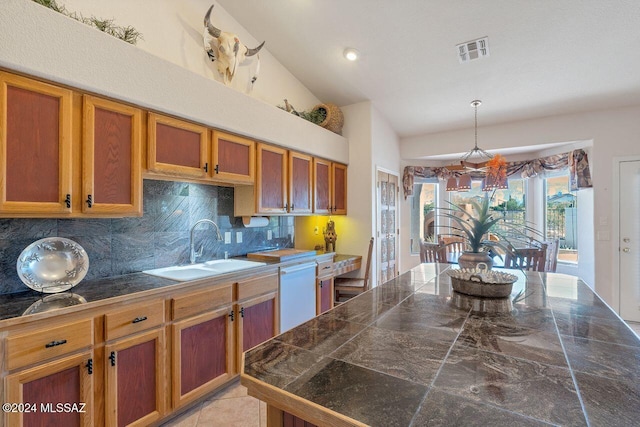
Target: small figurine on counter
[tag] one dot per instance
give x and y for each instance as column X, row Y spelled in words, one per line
column 330, row 237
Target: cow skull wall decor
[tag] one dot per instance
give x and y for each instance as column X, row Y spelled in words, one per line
column 226, row 49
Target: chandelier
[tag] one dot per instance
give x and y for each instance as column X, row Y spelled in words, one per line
column 476, row 161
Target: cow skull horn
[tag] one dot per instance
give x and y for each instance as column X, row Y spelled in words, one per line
column 251, row 52
column 215, row 32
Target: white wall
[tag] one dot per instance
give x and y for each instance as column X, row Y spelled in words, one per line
column 39, row 42
column 172, row 30
column 614, row 132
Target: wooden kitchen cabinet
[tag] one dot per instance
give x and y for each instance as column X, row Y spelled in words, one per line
column 233, row 158
column 203, row 349
column 177, row 148
column 135, row 379
column 271, row 179
column 35, row 147
column 67, row 380
column 284, row 184
column 324, row 284
column 300, row 179
column 111, row 154
column 257, row 311
column 329, row 187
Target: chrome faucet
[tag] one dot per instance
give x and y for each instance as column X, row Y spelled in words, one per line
column 192, row 250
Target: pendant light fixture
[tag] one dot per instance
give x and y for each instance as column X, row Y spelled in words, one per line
column 495, row 169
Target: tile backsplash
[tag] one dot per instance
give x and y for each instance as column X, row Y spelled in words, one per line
column 159, row 238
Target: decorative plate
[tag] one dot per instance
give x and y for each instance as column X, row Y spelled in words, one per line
column 54, row 301
column 51, row 265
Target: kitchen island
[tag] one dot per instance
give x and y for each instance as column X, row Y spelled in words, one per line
column 413, row 353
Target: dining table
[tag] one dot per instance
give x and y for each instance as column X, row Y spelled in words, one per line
column 412, row 352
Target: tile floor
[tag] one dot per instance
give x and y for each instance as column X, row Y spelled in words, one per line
column 233, row 407
column 229, row 407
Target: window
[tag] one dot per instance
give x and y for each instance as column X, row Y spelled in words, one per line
column 561, row 214
column 510, row 203
column 423, row 214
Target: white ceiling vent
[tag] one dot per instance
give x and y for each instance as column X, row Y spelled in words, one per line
column 474, row 49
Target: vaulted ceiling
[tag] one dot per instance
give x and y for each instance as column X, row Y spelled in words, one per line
column 547, row 57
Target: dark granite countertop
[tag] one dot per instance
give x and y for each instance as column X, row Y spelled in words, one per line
column 409, row 353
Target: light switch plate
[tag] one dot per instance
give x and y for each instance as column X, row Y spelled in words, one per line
column 227, row 237
column 269, row 234
column 238, row 236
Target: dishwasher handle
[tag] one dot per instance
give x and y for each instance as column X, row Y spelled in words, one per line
column 296, row 268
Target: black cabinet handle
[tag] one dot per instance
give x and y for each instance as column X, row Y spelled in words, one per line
column 55, row 343
column 231, row 315
column 286, row 205
column 206, row 167
column 112, row 358
column 89, row 201
column 67, row 200
column 292, row 208
column 89, row 366
column 139, row 319
column 217, row 169
column 242, row 312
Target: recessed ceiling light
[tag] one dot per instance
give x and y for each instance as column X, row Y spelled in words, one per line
column 351, row 54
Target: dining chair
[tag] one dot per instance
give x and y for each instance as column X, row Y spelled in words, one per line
column 531, row 258
column 348, row 287
column 454, row 246
column 432, row 252
column 551, row 258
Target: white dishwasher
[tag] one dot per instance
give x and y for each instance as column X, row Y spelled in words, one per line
column 297, row 295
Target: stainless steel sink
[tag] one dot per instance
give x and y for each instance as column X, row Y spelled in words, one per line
column 185, row 273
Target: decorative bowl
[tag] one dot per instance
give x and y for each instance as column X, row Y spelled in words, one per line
column 51, row 265
column 480, row 282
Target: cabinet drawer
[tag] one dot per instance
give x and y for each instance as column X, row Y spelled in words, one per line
column 325, row 269
column 133, row 319
column 258, row 286
column 32, row 347
column 199, row 302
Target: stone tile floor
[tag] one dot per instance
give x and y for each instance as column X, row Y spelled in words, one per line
column 233, row 407
column 229, row 407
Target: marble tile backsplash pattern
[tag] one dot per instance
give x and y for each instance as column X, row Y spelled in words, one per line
column 159, row 238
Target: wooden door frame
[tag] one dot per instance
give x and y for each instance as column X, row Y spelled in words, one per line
column 376, row 268
column 615, row 238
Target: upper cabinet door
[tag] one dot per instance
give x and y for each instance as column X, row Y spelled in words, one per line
column 321, row 186
column 35, row 147
column 271, row 182
column 177, row 148
column 233, row 158
column 339, row 197
column 112, row 163
column 300, row 183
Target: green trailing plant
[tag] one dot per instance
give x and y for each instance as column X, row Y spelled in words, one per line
column 315, row 116
column 128, row 34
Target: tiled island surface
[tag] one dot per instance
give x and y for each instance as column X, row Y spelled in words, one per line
column 410, row 353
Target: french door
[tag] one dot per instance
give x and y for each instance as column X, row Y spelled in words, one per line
column 387, row 226
column 629, row 244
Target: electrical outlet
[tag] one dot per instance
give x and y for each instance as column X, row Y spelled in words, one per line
column 227, row 237
column 238, row 236
column 315, row 230
column 269, row 234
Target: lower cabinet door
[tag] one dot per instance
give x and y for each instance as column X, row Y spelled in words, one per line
column 203, row 354
column 258, row 321
column 58, row 393
column 135, row 380
column 324, row 297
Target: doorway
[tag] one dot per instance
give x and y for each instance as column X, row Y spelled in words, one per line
column 629, row 239
column 387, row 228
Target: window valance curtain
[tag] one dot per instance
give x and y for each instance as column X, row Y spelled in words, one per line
column 576, row 161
